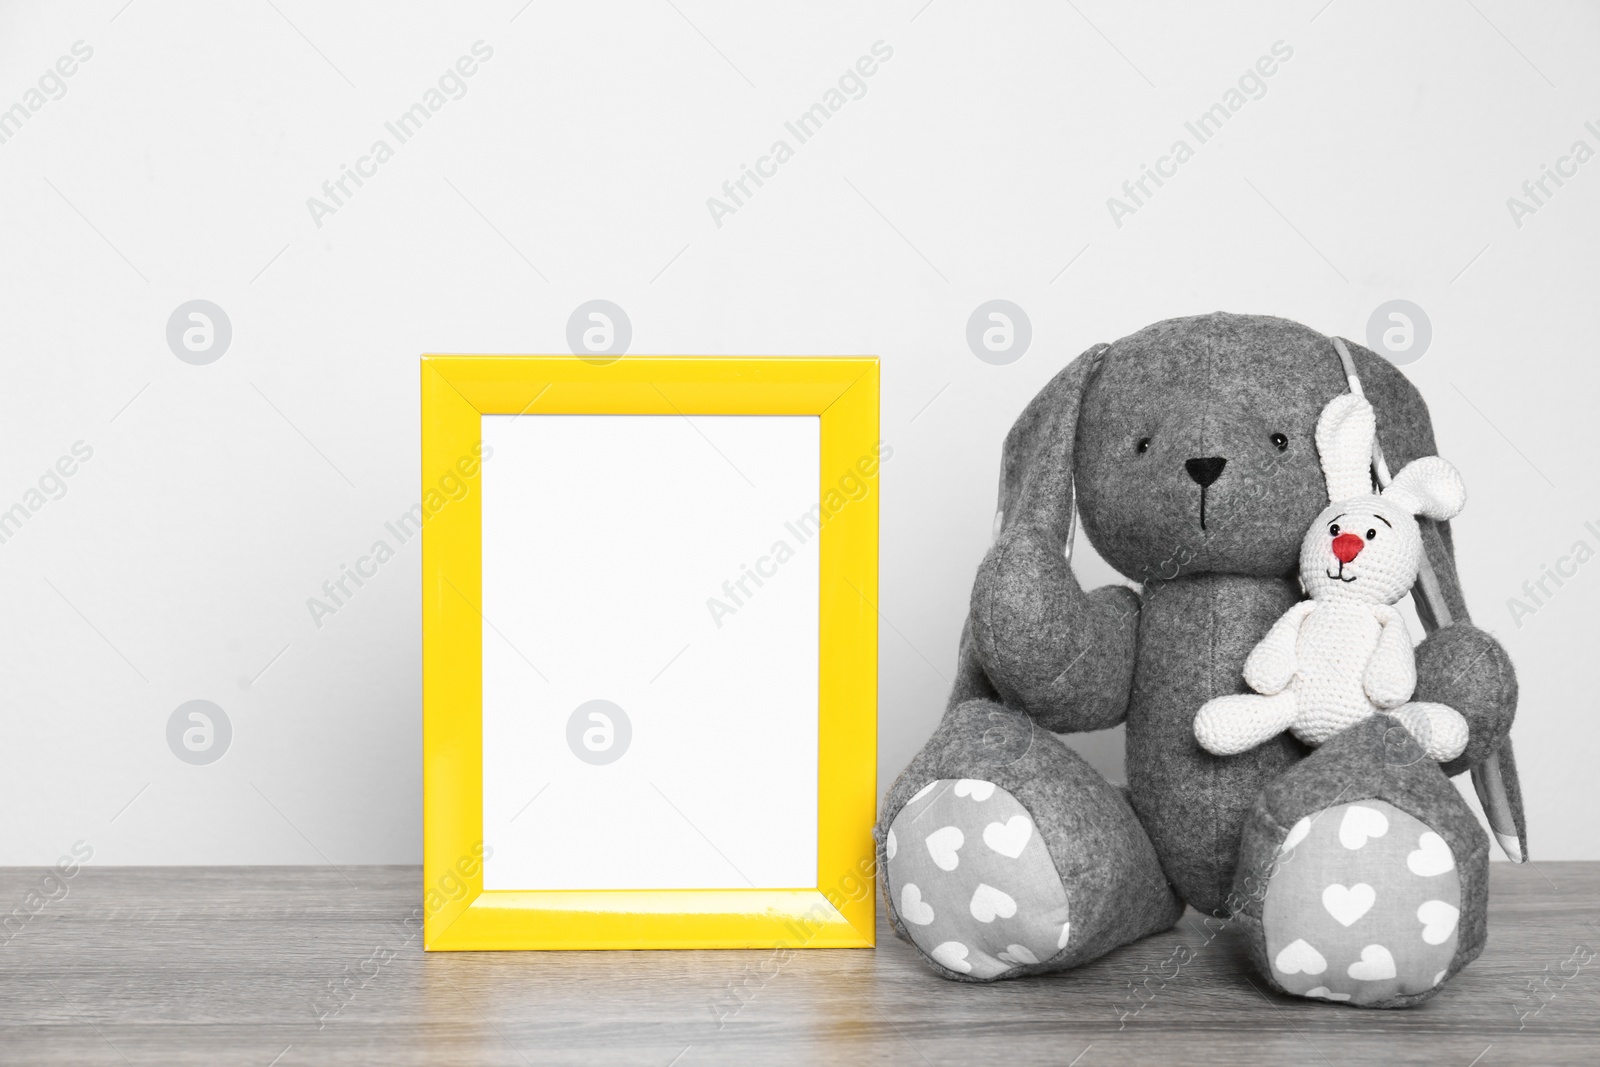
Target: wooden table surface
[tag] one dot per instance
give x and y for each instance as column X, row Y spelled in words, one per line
column 234, row 966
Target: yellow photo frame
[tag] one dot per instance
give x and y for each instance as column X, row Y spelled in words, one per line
column 458, row 913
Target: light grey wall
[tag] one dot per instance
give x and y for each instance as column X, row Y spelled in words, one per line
column 1376, row 165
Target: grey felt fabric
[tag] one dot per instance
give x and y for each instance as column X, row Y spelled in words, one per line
column 1190, row 801
column 1373, row 760
column 1113, row 431
column 1214, row 386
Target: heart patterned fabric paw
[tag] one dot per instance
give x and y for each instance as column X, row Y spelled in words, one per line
column 1365, row 853
column 973, row 882
column 1363, row 907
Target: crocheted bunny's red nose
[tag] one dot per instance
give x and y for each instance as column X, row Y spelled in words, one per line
column 1347, row 546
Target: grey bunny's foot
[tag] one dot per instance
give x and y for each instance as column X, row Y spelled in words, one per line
column 1003, row 853
column 1363, row 875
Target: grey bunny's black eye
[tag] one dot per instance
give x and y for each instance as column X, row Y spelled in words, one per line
column 1280, row 442
column 1143, row 446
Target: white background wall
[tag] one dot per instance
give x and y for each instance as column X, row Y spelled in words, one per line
column 977, row 166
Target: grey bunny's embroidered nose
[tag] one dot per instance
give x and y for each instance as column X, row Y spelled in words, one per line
column 1205, row 470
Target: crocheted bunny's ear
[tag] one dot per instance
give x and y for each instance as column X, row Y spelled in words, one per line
column 1345, row 432
column 1429, row 486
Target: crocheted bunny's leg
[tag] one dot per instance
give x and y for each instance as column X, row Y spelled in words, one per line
column 1232, row 724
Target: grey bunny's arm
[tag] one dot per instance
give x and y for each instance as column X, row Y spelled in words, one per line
column 1063, row 655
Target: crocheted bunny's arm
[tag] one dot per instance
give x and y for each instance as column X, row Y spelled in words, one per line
column 1272, row 663
column 1391, row 675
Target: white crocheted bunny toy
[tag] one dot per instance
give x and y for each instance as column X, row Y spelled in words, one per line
column 1335, row 659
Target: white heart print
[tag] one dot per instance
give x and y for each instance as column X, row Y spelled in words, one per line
column 1018, row 954
column 1348, row 905
column 977, row 790
column 1438, row 920
column 1009, row 838
column 913, row 909
column 942, row 846
column 952, row 954
column 1431, row 857
column 989, row 902
column 1297, row 957
column 1359, row 824
column 1326, row 994
column 1375, row 965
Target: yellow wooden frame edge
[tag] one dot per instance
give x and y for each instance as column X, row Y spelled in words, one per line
column 840, row 910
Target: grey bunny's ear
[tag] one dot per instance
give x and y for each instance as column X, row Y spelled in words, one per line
column 1036, row 491
column 1487, row 685
column 1345, row 432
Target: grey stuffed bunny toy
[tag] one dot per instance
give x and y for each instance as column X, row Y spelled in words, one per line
column 1188, row 450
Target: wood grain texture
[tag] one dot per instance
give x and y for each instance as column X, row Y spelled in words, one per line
column 229, row 966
